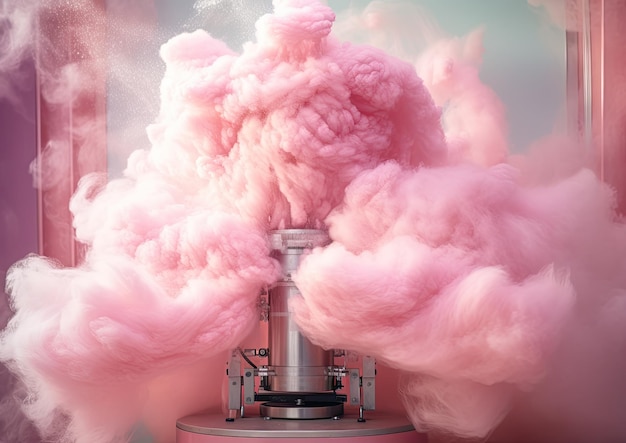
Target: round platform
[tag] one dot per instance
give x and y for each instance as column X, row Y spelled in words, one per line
column 378, row 428
column 311, row 411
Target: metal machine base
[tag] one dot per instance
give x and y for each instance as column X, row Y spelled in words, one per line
column 379, row 428
column 305, row 412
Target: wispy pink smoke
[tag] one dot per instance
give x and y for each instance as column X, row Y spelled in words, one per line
column 461, row 274
column 473, row 117
column 564, row 14
column 16, row 29
column 449, row 268
column 178, row 251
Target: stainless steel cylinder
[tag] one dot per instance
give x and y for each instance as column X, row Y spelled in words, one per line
column 297, row 364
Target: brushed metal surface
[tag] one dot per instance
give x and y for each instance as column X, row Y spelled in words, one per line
column 302, row 412
column 298, row 364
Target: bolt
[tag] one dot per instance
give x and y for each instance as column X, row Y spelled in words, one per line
column 234, row 383
column 248, row 399
column 369, row 383
column 354, row 400
column 248, row 374
column 354, row 375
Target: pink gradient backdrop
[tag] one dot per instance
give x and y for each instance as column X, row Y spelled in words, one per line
column 17, row 130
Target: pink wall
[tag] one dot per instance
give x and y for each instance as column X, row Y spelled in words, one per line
column 608, row 60
column 74, row 125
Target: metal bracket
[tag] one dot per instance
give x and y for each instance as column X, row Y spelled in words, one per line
column 264, row 306
column 248, row 386
column 354, row 385
column 234, row 381
column 369, row 383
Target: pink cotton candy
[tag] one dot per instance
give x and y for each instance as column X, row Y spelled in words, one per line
column 466, row 274
column 449, row 261
column 277, row 137
column 477, row 325
column 473, row 116
column 462, row 274
column 177, row 249
column 297, row 29
column 107, row 330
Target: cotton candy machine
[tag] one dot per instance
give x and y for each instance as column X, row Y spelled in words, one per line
column 301, row 379
column 303, row 391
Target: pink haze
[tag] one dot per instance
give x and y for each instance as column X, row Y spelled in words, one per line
column 448, row 264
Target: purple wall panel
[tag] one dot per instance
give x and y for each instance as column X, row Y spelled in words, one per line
column 18, row 227
column 18, row 197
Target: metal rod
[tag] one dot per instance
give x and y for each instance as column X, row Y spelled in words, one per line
column 586, row 75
